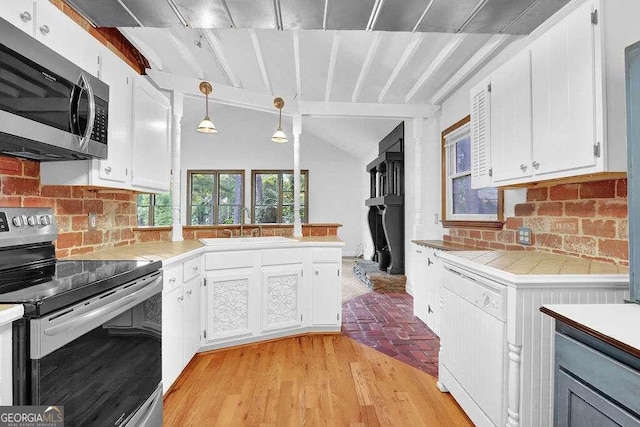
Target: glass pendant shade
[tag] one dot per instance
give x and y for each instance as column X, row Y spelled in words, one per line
column 280, row 137
column 206, row 125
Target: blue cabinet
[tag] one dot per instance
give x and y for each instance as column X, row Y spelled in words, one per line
column 596, row 384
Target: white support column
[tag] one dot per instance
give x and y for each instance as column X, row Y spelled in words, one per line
column 297, row 221
column 418, row 126
column 177, row 100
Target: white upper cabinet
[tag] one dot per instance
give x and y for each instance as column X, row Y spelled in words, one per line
column 151, row 154
column 19, row 13
column 567, row 108
column 511, row 135
column 557, row 108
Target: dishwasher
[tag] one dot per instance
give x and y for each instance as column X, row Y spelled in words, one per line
column 472, row 333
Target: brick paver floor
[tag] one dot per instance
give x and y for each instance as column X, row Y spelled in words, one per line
column 385, row 321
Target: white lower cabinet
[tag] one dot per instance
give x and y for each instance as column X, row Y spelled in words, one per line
column 180, row 318
column 281, row 297
column 427, row 287
column 254, row 295
column 6, row 378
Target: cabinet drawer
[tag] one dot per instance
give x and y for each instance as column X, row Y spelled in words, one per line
column 191, row 269
column 610, row 377
column 173, row 277
column 326, row 255
column 224, row 260
column 281, row 256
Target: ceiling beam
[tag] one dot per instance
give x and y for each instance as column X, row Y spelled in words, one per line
column 406, row 56
column 325, row 15
column 135, row 18
column 467, row 70
column 260, row 58
column 444, row 54
column 424, row 13
column 277, row 9
column 473, row 14
column 186, row 54
column 371, row 52
column 332, row 64
column 226, row 9
column 244, row 98
column 176, row 11
column 375, row 13
column 296, row 60
column 221, row 59
column 151, row 55
column 348, row 109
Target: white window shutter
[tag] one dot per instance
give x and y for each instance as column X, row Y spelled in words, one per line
column 480, row 136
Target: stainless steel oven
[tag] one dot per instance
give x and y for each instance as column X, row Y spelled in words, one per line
column 91, row 337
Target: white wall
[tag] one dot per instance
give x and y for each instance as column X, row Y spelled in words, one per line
column 244, row 142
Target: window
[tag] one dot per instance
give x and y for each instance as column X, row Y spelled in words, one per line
column 215, row 197
column 154, row 209
column 463, row 206
column 272, row 196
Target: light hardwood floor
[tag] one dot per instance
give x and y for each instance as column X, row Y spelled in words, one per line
column 314, row 380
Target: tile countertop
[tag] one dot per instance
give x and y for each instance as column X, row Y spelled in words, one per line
column 10, row 312
column 610, row 323
column 536, row 267
column 171, row 252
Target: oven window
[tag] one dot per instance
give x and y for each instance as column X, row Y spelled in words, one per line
column 104, row 376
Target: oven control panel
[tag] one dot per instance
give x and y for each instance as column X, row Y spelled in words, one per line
column 27, row 225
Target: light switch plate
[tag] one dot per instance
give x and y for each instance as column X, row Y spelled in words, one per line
column 93, row 221
column 524, row 236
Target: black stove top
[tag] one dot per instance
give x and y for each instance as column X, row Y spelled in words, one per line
column 51, row 286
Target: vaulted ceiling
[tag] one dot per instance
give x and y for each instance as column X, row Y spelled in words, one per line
column 355, row 52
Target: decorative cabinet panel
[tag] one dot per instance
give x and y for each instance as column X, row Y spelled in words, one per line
column 281, row 297
column 229, row 304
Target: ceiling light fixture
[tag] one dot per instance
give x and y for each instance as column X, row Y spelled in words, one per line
column 206, row 125
column 279, row 137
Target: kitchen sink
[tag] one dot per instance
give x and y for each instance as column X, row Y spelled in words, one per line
column 231, row 241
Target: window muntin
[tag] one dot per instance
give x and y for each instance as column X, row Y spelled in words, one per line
column 214, row 197
column 273, row 194
column 154, row 209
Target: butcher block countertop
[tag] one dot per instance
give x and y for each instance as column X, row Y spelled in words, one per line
column 442, row 245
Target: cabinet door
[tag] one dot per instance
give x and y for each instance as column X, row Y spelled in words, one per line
column 172, row 323
column 51, row 28
column 563, row 94
column 511, row 135
column 19, row 13
column 281, row 297
column 191, row 326
column 119, row 76
column 6, row 377
column 326, row 294
column 480, row 136
column 151, row 138
column 420, row 284
column 229, row 304
column 434, row 293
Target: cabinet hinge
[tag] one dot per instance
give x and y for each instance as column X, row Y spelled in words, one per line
column 204, row 282
column 490, row 171
column 301, row 273
column 338, row 272
column 594, row 17
column 596, row 149
column 301, row 318
column 338, row 316
column 204, row 333
column 489, row 87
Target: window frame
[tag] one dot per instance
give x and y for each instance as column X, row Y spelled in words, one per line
column 448, row 221
column 151, row 215
column 279, row 172
column 216, row 206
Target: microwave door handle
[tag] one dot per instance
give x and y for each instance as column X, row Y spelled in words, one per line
column 84, row 83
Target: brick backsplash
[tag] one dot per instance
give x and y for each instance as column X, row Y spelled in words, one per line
column 587, row 219
column 116, row 211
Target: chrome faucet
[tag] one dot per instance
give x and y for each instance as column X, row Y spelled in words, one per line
column 226, row 230
column 244, row 211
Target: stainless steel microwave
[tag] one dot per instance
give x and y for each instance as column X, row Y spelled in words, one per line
column 50, row 109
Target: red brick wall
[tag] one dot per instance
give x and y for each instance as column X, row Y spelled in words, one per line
column 20, row 186
column 587, row 219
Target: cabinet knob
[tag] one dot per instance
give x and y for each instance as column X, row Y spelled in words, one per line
column 189, row 292
column 523, row 167
column 196, row 268
column 429, row 262
column 172, row 280
column 317, row 272
column 107, row 169
column 25, row 16
column 535, row 164
column 44, row 29
column 418, row 251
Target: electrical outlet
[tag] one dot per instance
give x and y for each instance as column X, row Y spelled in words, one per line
column 524, row 235
column 93, row 221
column 435, row 218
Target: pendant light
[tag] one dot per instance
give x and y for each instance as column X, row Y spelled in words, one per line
column 206, row 125
column 279, row 137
